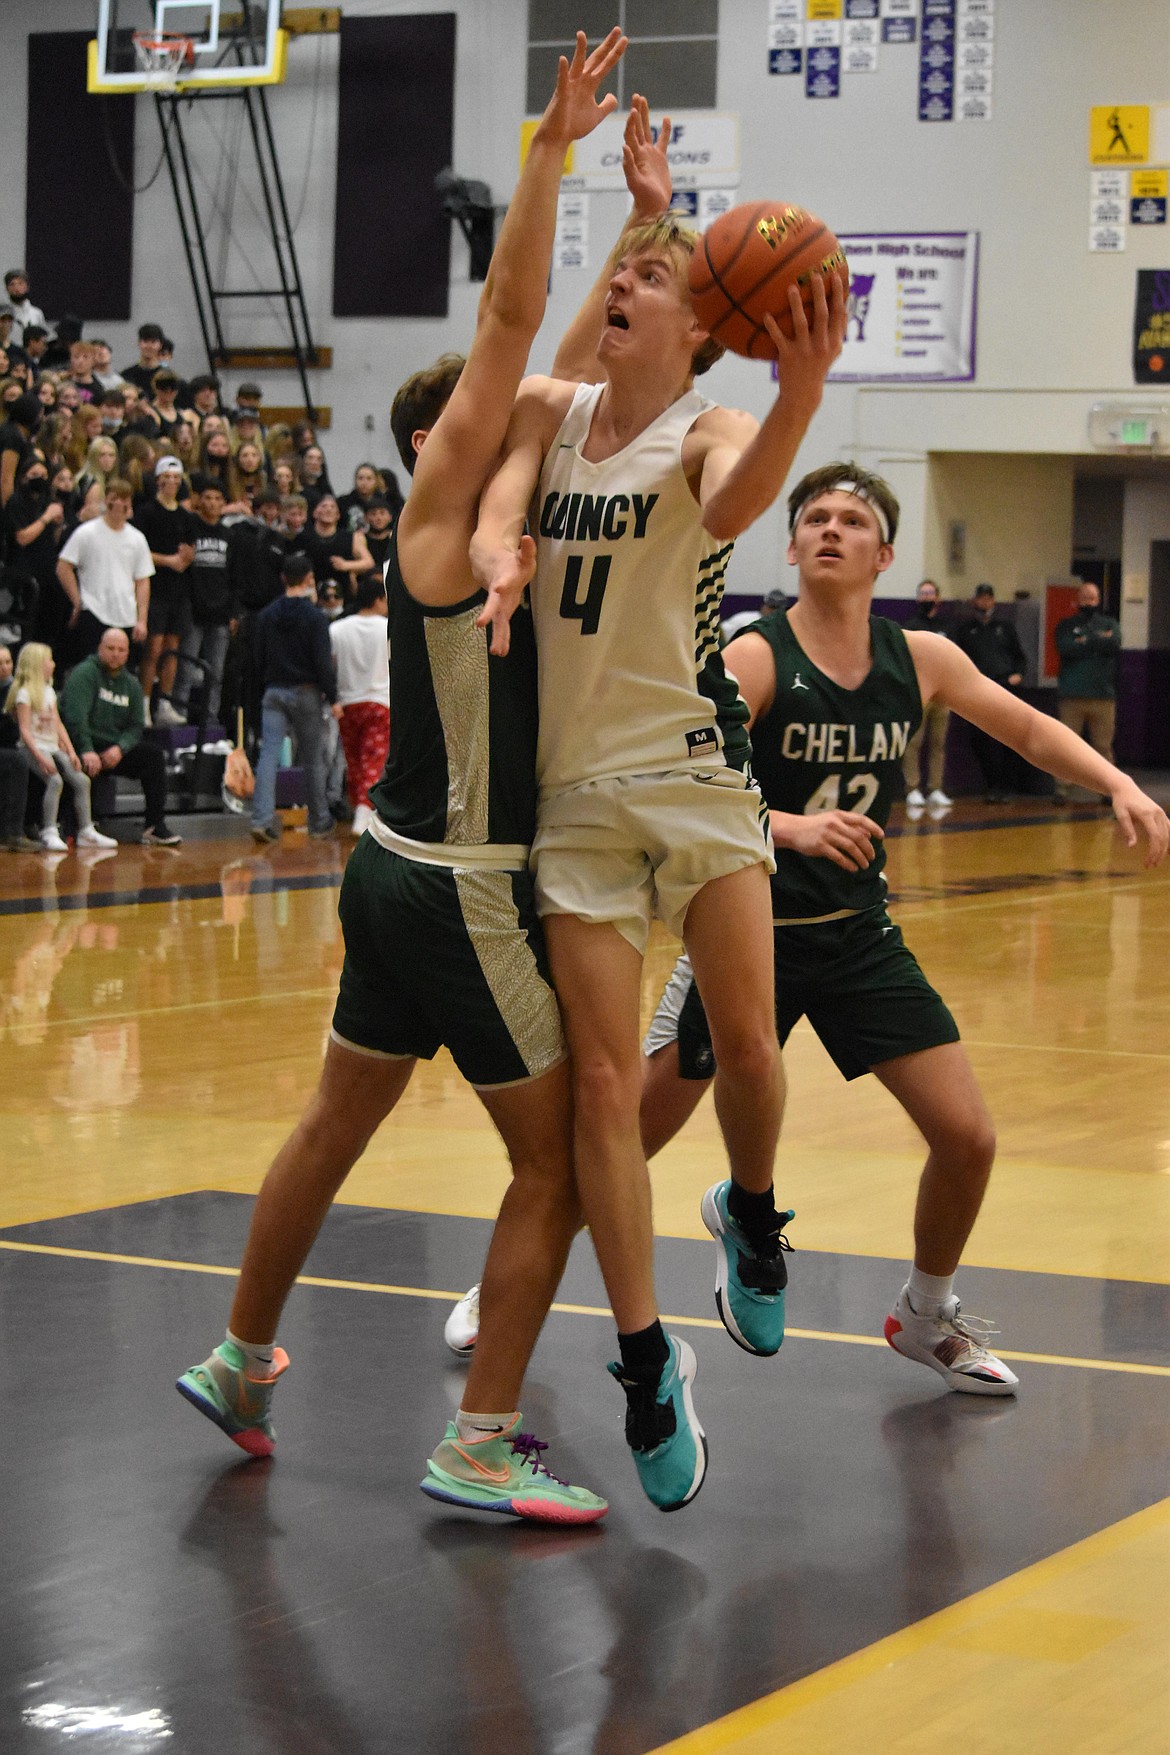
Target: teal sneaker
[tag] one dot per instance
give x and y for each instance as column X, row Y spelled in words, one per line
column 663, row 1431
column 499, row 1472
column 749, row 1280
column 233, row 1401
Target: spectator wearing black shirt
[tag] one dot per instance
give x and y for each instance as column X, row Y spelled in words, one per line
column 36, row 522
column 35, row 342
column 212, row 599
column 993, row 646
column 16, row 441
column 296, row 669
column 138, row 416
column 164, row 391
column 314, row 476
column 169, row 531
column 337, row 555
column 380, row 529
column 57, row 353
column 294, row 513
column 81, row 372
column 256, row 553
column 355, row 505
column 203, row 396
column 150, row 340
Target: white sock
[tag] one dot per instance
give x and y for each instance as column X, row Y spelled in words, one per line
column 257, row 1355
column 929, row 1292
column 471, row 1426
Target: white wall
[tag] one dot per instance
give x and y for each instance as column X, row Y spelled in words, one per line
column 1054, row 320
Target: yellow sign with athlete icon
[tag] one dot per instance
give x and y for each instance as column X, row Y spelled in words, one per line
column 1119, row 134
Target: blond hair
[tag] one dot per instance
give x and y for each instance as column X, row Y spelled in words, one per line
column 30, row 675
column 664, row 232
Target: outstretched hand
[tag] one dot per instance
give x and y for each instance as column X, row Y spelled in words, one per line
column 644, row 161
column 509, row 578
column 803, row 362
column 573, row 110
column 1136, row 812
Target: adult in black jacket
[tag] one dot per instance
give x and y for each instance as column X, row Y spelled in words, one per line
column 993, row 646
column 213, row 608
column 257, row 549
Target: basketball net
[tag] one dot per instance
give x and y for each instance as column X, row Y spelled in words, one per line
column 162, row 58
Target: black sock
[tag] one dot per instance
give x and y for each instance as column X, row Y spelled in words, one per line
column 754, row 1213
column 645, row 1353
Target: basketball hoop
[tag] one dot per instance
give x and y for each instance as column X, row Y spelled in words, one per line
column 161, row 59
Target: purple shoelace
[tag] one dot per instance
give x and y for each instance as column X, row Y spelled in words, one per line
column 528, row 1448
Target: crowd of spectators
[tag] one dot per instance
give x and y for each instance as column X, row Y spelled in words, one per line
column 137, row 500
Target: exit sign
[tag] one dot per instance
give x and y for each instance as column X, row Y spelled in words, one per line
column 1135, row 432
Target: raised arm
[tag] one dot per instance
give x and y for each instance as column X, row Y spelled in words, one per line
column 464, row 444
column 947, row 675
column 502, row 557
column 648, row 180
column 741, row 478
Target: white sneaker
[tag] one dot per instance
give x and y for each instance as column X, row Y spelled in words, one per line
column 915, row 813
column 915, row 799
column 462, row 1328
column 952, row 1345
column 93, row 837
column 167, row 715
column 51, row 841
column 361, row 819
column 938, row 800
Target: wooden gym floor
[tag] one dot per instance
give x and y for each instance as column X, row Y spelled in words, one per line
column 873, row 1564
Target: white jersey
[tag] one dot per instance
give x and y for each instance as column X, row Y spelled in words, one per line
column 626, row 609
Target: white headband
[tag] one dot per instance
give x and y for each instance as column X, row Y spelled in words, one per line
column 859, row 492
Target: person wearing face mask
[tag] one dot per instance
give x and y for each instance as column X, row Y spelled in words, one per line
column 35, row 523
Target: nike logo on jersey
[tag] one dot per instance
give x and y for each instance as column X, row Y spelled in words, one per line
column 595, row 517
column 797, row 684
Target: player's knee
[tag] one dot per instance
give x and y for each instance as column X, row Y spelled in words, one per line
column 969, row 1148
column 605, row 1092
column 748, row 1053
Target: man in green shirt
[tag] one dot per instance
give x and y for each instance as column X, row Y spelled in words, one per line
column 101, row 705
column 1088, row 644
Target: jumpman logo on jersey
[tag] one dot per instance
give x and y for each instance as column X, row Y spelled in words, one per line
column 797, row 684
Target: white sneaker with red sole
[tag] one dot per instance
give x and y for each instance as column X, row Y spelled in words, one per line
column 952, row 1345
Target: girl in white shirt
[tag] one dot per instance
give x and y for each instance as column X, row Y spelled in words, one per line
column 48, row 749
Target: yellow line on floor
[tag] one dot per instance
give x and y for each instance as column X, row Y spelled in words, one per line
column 843, row 1705
column 448, row 1297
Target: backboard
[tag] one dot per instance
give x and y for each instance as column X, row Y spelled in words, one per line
column 236, row 42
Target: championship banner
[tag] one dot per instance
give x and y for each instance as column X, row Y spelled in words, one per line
column 1151, row 327
column 703, row 153
column 911, row 308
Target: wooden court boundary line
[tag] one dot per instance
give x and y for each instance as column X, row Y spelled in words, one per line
column 1124, row 1366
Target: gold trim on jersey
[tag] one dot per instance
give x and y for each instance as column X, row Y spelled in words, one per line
column 821, row 919
column 458, row 655
column 523, row 997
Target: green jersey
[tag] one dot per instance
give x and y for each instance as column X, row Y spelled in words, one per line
column 462, row 765
column 822, row 747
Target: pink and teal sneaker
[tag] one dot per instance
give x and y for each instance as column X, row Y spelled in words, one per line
column 502, row 1472
column 235, row 1402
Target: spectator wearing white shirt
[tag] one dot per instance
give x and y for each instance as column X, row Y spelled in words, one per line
column 105, row 571
column 362, row 657
column 24, row 311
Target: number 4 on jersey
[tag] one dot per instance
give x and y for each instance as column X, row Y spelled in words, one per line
column 828, row 795
column 585, row 610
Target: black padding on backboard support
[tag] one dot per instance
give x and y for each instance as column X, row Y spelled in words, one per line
column 79, row 215
column 392, row 242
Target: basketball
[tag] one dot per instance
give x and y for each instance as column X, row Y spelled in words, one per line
column 744, row 265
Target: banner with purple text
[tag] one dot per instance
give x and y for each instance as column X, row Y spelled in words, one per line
column 912, row 300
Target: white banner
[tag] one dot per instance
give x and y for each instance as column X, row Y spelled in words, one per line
column 703, row 153
column 911, row 308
